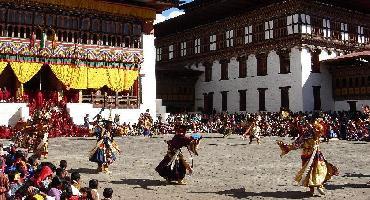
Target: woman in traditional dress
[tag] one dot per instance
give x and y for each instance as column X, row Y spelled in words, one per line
column 105, row 150
column 173, row 167
column 315, row 169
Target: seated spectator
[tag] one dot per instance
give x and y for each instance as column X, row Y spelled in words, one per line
column 107, row 193
column 55, row 188
column 76, row 183
column 93, row 185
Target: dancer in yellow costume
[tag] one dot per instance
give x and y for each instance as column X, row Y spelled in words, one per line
column 315, row 169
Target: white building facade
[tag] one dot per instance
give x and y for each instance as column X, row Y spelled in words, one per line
column 259, row 60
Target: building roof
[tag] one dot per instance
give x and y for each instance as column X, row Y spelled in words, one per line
column 197, row 14
column 348, row 57
column 159, row 5
column 200, row 12
column 360, row 5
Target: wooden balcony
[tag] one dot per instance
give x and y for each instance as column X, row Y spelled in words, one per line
column 109, row 101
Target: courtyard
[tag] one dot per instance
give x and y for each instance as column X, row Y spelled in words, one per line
column 226, row 168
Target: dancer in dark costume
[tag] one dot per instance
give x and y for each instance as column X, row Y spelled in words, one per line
column 105, row 150
column 173, row 167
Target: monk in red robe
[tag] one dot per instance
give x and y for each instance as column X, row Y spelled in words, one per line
column 39, row 99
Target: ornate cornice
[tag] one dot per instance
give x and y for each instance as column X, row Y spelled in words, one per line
column 100, row 6
column 277, row 11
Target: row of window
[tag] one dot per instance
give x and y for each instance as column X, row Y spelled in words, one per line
column 349, row 82
column 69, row 22
column 297, row 23
column 73, row 37
column 284, row 99
column 261, row 66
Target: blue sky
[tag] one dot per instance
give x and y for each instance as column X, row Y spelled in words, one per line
column 168, row 12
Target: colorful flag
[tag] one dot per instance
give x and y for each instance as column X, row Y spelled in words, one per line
column 54, row 41
column 43, row 41
column 32, row 40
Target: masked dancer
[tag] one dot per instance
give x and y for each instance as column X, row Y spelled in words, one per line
column 315, row 169
column 173, row 167
column 105, row 150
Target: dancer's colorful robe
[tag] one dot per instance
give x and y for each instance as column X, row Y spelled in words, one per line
column 315, row 169
column 173, row 166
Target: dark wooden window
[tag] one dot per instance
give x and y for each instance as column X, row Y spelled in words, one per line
column 344, row 83
column 363, row 82
column 262, row 64
column 316, row 97
column 224, row 100
column 85, row 25
column 285, row 97
column 39, row 19
column 242, row 67
column 2, row 14
column 356, row 82
column 242, row 100
column 350, row 82
column 208, row 102
column 315, row 61
column 337, row 83
column 50, row 20
column 352, row 106
column 259, row 32
column 137, row 29
column 262, row 99
column 284, row 62
column 208, row 72
column 127, row 29
column 224, row 69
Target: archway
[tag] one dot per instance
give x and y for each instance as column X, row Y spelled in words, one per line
column 44, row 81
column 9, row 81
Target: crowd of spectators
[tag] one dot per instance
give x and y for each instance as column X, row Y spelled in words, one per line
column 25, row 177
column 341, row 125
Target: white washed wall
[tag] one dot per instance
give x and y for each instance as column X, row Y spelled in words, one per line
column 78, row 111
column 343, row 105
column 149, row 79
column 322, row 79
column 11, row 113
column 252, row 82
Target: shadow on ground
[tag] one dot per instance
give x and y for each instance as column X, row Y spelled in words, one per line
column 356, row 175
column 85, row 171
column 347, row 185
column 141, row 183
column 84, row 139
column 241, row 194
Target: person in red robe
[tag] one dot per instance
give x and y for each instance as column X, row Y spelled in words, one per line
column 6, row 95
column 39, row 99
column 1, row 95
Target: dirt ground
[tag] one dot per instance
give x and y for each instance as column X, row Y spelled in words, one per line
column 227, row 168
